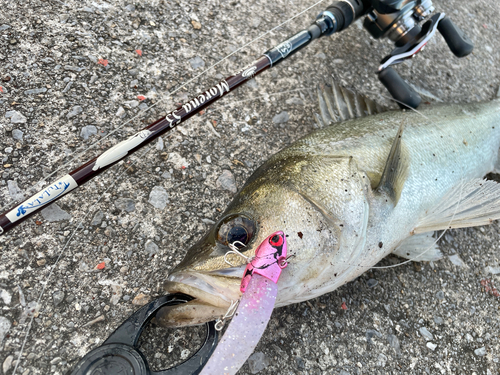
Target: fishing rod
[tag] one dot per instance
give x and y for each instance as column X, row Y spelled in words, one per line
column 395, row 19
column 336, row 18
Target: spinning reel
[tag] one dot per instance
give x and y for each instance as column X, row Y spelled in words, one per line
column 399, row 21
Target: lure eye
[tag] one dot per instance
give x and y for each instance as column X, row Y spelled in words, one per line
column 276, row 240
column 236, row 229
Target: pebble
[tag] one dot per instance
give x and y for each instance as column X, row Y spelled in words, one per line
column 92, row 58
column 252, row 83
column 438, row 320
column 394, row 343
column 257, row 362
column 57, row 297
column 55, row 213
column 140, row 299
column 131, row 104
column 300, row 363
column 16, row 117
column 68, row 86
column 151, row 248
column 480, row 352
column 492, row 270
column 120, row 112
column 295, row 100
column 6, row 297
column 126, row 297
column 41, row 262
column 35, row 91
column 56, row 361
column 177, row 160
column 185, row 354
column 14, row 190
column 126, row 204
column 110, row 232
column 196, row 25
column 116, row 294
column 7, row 363
column 75, row 111
column 97, row 219
column 457, row 261
column 197, row 62
column 124, row 270
column 431, row 346
column 88, row 131
column 17, row 134
column 281, row 118
column 440, row 295
column 5, row 325
column 382, row 360
column 8, row 150
column 371, row 283
column 158, row 197
column 425, row 332
column 159, row 144
column 166, row 175
column 73, row 68
column 226, row 181
column 370, row 334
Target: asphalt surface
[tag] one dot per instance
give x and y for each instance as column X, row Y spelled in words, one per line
column 79, row 74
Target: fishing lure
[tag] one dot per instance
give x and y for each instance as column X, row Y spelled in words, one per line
column 254, row 310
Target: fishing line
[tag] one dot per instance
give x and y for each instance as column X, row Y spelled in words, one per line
column 78, row 226
column 66, row 246
column 169, row 95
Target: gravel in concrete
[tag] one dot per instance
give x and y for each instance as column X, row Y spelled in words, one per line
column 66, row 65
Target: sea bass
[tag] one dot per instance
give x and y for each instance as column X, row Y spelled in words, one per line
column 346, row 196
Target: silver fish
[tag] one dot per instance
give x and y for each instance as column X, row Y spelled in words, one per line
column 374, row 183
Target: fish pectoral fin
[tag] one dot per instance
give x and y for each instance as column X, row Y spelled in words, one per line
column 396, row 169
column 473, row 203
column 419, row 248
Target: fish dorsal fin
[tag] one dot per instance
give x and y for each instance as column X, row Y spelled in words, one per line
column 336, row 103
column 395, row 170
column 420, row 248
column 476, row 202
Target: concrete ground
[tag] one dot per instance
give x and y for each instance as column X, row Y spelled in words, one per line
column 76, row 74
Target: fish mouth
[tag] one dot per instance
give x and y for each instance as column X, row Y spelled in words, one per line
column 212, row 294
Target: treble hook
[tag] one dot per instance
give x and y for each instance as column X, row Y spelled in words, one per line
column 234, row 250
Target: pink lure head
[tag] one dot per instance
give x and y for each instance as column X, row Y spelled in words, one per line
column 269, row 260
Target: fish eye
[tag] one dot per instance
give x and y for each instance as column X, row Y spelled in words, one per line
column 236, row 229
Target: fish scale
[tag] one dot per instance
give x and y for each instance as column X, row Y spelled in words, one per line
column 349, row 194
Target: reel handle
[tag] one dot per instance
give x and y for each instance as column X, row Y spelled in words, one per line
column 459, row 43
column 399, row 89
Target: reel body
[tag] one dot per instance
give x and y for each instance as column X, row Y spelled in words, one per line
column 399, row 20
